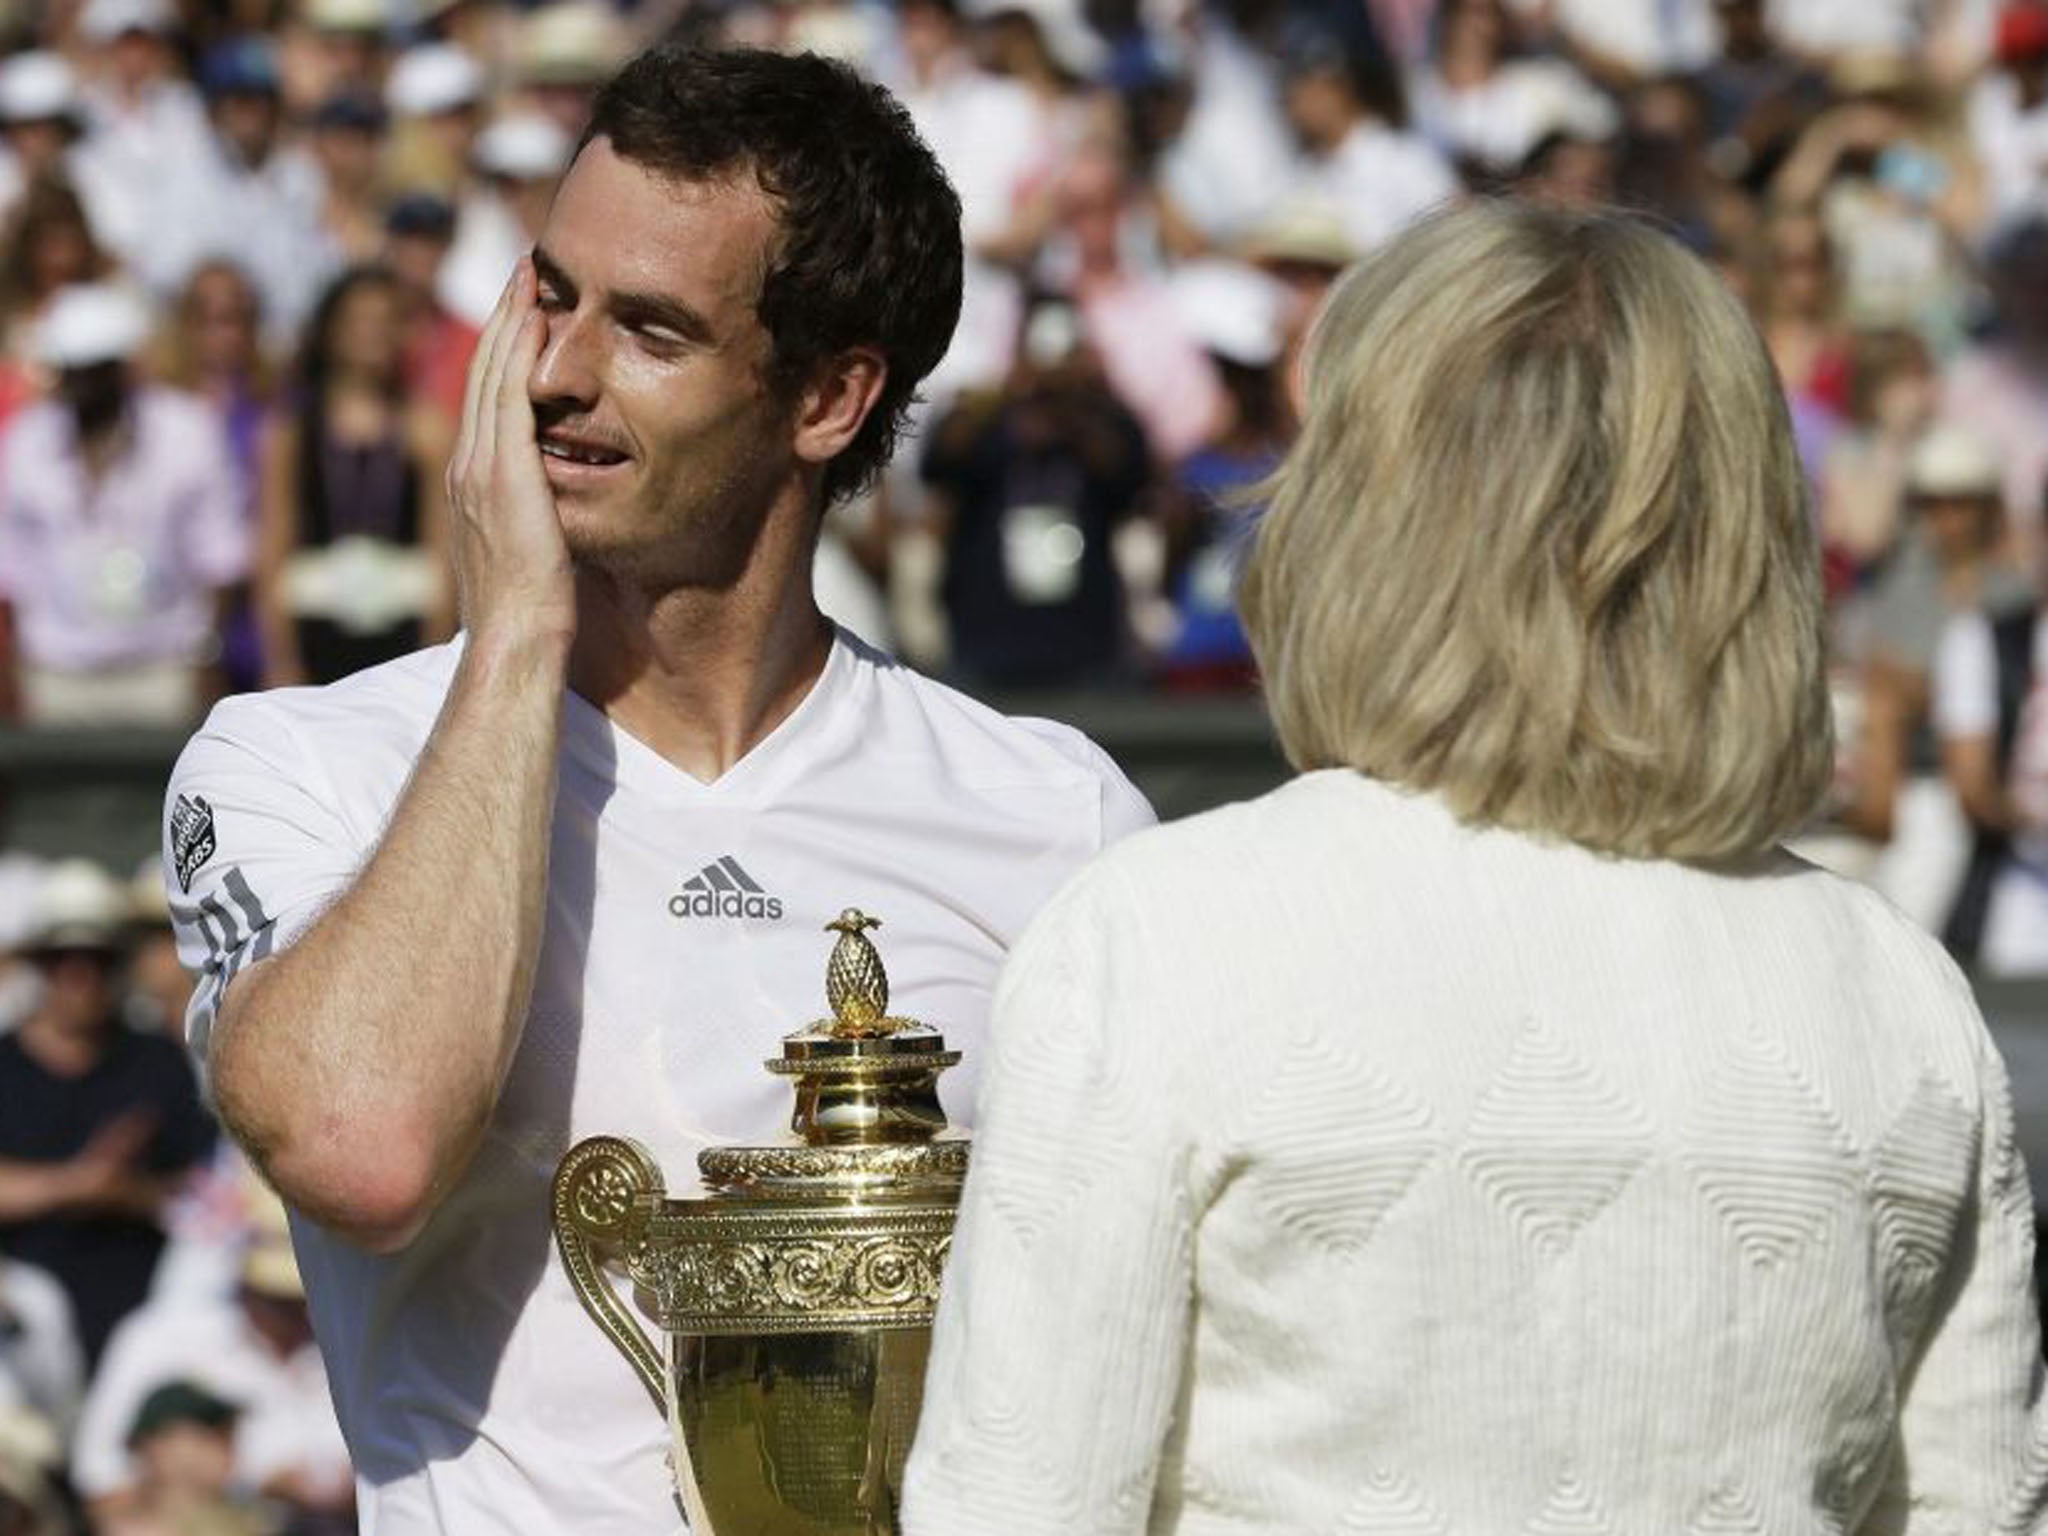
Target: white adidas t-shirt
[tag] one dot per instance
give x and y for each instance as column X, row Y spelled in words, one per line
column 684, row 937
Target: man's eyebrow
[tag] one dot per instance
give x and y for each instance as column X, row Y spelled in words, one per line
column 645, row 309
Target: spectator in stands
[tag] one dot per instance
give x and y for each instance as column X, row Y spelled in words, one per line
column 214, row 349
column 122, row 528
column 145, row 120
column 253, row 196
column 43, row 121
column 101, row 1123
column 1127, row 312
column 418, row 231
column 1239, row 315
column 349, row 568
column 30, row 1456
column 2008, row 112
column 518, row 161
column 348, row 142
column 1348, row 117
column 1891, row 399
column 567, row 49
column 49, row 246
column 253, row 1349
column 1485, row 104
column 159, row 989
column 42, row 1368
column 183, row 1441
column 1946, row 564
column 436, row 96
column 2000, row 386
column 1029, row 487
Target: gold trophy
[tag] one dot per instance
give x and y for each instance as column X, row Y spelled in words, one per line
column 795, row 1296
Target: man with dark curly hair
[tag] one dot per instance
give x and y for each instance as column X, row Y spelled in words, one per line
column 568, row 873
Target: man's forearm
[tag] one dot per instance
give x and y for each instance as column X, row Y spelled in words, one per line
column 361, row 1067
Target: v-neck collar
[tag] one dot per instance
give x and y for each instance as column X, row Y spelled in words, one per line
column 601, row 744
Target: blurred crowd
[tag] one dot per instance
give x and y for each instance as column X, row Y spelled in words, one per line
column 245, row 249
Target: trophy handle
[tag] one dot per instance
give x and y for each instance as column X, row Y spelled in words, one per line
column 605, row 1190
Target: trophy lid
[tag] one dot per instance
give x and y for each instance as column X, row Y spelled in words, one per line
column 867, row 1122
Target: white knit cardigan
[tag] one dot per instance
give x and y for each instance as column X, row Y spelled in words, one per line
column 1342, row 1169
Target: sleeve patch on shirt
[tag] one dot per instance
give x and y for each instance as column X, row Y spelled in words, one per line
column 192, row 839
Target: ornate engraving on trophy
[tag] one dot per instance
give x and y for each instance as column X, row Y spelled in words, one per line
column 795, row 1297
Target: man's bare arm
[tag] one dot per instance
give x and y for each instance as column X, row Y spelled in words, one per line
column 360, row 1067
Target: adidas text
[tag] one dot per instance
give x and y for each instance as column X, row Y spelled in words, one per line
column 724, row 904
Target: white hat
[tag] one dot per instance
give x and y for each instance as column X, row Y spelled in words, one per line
column 1075, row 46
column 572, row 42
column 347, row 15
column 36, row 87
column 1953, row 461
column 80, row 906
column 524, row 147
column 92, row 323
column 431, row 79
column 1232, row 310
column 21, row 894
column 104, row 20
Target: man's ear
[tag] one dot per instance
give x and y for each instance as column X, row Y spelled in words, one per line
column 835, row 404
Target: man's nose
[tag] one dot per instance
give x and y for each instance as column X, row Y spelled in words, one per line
column 568, row 371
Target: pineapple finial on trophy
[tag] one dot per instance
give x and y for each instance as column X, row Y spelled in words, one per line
column 856, row 985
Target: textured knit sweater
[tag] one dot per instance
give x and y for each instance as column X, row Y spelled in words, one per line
column 1344, row 1170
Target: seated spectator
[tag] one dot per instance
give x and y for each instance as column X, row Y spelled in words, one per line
column 214, row 350
column 253, row 1349
column 1891, row 399
column 2009, row 115
column 49, row 246
column 1358, row 156
column 516, row 163
column 30, row 1456
column 1946, row 564
column 102, row 1124
column 42, row 1369
column 2000, row 385
column 1127, row 313
column 418, row 231
column 349, row 568
column 43, row 124
column 1239, row 316
column 1030, row 485
column 436, row 95
column 122, row 529
column 183, row 1441
column 1484, row 103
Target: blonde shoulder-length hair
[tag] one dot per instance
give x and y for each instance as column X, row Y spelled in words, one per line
column 1543, row 546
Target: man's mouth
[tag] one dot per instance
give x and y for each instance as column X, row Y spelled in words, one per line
column 577, row 450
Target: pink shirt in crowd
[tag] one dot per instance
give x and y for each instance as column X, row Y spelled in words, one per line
column 122, row 572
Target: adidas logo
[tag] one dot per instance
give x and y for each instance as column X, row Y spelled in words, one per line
column 723, row 889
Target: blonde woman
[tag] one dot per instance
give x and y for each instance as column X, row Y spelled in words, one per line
column 1491, row 1131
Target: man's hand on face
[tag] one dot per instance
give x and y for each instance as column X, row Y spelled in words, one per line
column 511, row 563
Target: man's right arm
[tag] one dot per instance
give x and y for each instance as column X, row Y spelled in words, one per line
column 360, row 1067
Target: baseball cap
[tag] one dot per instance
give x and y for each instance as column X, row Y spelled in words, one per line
column 39, row 87
column 1953, row 461
column 180, row 1402
column 243, row 66
column 91, row 323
